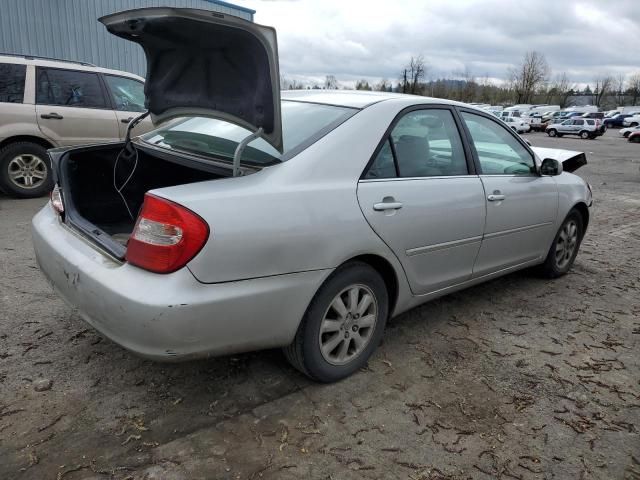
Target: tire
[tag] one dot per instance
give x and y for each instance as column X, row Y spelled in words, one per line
column 554, row 267
column 323, row 364
column 584, row 134
column 31, row 160
column 634, row 124
column 626, row 134
column 552, row 132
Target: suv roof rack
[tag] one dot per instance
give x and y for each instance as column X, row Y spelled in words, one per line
column 37, row 57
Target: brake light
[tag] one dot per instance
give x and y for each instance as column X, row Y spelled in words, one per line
column 166, row 236
column 56, row 200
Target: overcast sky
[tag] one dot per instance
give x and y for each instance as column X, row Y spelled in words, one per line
column 373, row 39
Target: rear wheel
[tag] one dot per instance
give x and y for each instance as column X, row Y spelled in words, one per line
column 565, row 246
column 552, row 132
column 343, row 324
column 584, row 134
column 626, row 134
column 25, row 171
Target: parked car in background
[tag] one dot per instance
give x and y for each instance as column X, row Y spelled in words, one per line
column 625, row 132
column 632, row 121
column 46, row 103
column 634, row 137
column 517, row 124
column 616, row 120
column 598, row 115
column 191, row 261
column 583, row 127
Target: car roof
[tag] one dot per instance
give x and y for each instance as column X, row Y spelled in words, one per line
column 66, row 64
column 362, row 99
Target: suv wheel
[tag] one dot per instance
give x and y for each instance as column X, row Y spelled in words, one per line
column 584, row 134
column 343, row 324
column 552, row 132
column 25, row 171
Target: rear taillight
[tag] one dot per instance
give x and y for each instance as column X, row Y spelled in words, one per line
column 56, row 200
column 166, row 236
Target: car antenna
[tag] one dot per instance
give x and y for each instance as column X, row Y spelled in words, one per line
column 240, row 149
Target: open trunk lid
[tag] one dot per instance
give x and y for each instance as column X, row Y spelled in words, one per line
column 204, row 63
column 571, row 160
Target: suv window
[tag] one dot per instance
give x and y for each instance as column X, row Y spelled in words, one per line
column 127, row 93
column 499, row 152
column 426, row 143
column 12, row 79
column 590, row 122
column 578, row 122
column 69, row 88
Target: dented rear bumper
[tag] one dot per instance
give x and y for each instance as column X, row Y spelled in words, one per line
column 169, row 317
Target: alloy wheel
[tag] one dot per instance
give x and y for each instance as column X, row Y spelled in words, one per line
column 348, row 324
column 27, row 171
column 566, row 243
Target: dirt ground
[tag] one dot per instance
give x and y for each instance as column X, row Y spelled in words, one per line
column 520, row 378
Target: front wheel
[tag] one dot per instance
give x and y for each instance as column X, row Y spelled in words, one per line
column 343, row 324
column 565, row 246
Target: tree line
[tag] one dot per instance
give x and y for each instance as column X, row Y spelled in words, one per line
column 530, row 81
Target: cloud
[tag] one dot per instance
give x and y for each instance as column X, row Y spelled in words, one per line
column 373, row 39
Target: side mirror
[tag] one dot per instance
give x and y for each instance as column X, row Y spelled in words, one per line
column 551, row 167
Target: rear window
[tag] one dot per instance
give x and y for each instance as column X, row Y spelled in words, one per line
column 12, row 79
column 302, row 124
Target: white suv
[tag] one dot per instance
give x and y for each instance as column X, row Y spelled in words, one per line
column 47, row 103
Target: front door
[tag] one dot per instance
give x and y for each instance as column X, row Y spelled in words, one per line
column 72, row 109
column 419, row 196
column 521, row 205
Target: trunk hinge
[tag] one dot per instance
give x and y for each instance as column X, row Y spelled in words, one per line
column 131, row 126
column 237, row 156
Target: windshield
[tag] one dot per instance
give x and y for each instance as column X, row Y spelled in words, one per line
column 302, row 124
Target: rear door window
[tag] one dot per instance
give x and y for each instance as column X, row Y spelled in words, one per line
column 423, row 143
column 127, row 93
column 69, row 88
column 12, row 78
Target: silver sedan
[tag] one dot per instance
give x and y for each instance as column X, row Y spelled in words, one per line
column 305, row 227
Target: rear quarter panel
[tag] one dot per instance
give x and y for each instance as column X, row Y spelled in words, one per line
column 296, row 216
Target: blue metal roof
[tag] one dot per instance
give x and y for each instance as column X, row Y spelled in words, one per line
column 231, row 5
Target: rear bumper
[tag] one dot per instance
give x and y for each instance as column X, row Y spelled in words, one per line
column 169, row 317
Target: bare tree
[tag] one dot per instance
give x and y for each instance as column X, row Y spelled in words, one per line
column 633, row 88
column 330, row 82
column 603, row 88
column 527, row 78
column 619, row 90
column 412, row 74
column 560, row 90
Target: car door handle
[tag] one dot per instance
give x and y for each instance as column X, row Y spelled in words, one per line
column 495, row 197
column 51, row 116
column 126, row 120
column 382, row 206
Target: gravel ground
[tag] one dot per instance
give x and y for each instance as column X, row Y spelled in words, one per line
column 519, row 378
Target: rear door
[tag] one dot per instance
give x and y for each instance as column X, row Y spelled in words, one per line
column 72, row 107
column 421, row 195
column 521, row 205
column 127, row 98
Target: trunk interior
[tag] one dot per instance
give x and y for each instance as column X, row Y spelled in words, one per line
column 93, row 204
